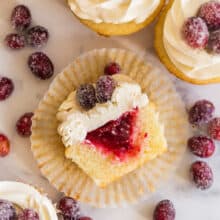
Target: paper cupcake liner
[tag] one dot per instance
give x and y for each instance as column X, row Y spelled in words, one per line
column 48, row 148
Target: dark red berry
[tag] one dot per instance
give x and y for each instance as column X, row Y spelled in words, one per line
column 15, row 41
column 21, row 17
column 210, row 13
column 37, row 36
column 86, row 96
column 23, row 125
column 195, row 32
column 41, row 65
column 201, row 112
column 105, row 87
column 214, row 128
column 84, row 218
column 112, row 68
column 7, row 210
column 28, row 214
column 201, row 146
column 214, row 42
column 164, row 211
column 4, row 146
column 6, row 88
column 202, row 175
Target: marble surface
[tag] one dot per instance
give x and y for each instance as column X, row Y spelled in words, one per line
column 68, row 39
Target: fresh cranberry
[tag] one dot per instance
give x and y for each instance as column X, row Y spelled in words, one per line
column 15, row 41
column 28, row 214
column 201, row 112
column 23, row 125
column 210, row 12
column 112, row 68
column 202, row 175
column 7, row 210
column 214, row 42
column 84, row 218
column 201, row 146
column 195, row 32
column 164, row 211
column 41, row 65
column 214, row 128
column 4, row 146
column 21, row 17
column 6, row 88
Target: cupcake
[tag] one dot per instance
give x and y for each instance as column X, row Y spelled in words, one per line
column 116, row 17
column 188, row 40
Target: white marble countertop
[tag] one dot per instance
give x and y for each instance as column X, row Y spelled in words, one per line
column 69, row 39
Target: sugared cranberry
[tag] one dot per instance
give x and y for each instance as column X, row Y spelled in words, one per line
column 15, row 41
column 84, row 218
column 21, row 17
column 214, row 42
column 4, row 146
column 195, row 32
column 41, row 65
column 6, row 88
column 112, row 68
column 202, row 175
column 201, row 146
column 201, row 112
column 104, row 88
column 210, row 12
column 214, row 128
column 7, row 210
column 37, row 36
column 69, row 208
column 164, row 211
column 23, row 125
column 28, row 214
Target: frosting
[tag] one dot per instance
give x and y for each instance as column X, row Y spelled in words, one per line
column 195, row 63
column 26, row 196
column 114, row 11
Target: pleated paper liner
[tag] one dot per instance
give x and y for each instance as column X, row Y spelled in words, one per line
column 48, row 149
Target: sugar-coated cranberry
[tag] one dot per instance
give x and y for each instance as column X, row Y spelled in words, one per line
column 37, row 36
column 214, row 42
column 84, row 218
column 15, row 41
column 214, row 128
column 112, row 68
column 164, row 211
column 195, row 32
column 202, row 175
column 23, row 125
column 210, row 12
column 28, row 214
column 21, row 17
column 105, row 87
column 41, row 65
column 4, row 146
column 201, row 112
column 201, row 146
column 7, row 210
column 6, row 88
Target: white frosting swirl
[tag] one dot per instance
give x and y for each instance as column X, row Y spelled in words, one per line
column 26, row 196
column 195, row 63
column 114, row 11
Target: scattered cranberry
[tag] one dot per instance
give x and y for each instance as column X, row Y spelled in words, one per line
column 7, row 210
column 202, row 175
column 214, row 42
column 112, row 68
column 210, row 12
column 23, row 125
column 15, row 41
column 84, row 218
column 201, row 112
column 195, row 32
column 214, row 128
column 21, row 17
column 41, row 65
column 37, row 36
column 4, row 146
column 164, row 211
column 6, row 88
column 28, row 214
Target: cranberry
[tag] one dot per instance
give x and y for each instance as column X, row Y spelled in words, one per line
column 21, row 17
column 202, row 175
column 7, row 210
column 214, row 42
column 37, row 36
column 214, row 128
column 164, row 211
column 112, row 68
column 4, row 146
column 28, row 214
column 23, row 125
column 6, row 88
column 201, row 112
column 201, row 146
column 84, row 218
column 195, row 32
column 41, row 65
column 15, row 41
column 210, row 12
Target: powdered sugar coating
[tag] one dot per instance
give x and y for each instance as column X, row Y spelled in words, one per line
column 15, row 41
column 214, row 128
column 214, row 42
